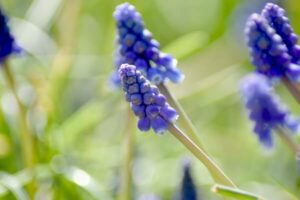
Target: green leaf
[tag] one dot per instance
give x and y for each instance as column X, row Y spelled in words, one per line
column 235, row 193
column 187, row 44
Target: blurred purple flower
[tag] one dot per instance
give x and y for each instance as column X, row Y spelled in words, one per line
column 272, row 44
column 265, row 108
column 276, row 18
column 7, row 42
column 188, row 189
column 136, row 46
column 146, row 101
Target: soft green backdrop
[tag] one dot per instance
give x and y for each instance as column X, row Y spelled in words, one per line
column 78, row 120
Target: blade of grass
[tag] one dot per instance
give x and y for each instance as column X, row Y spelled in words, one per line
column 215, row 171
column 27, row 141
column 235, row 193
column 184, row 120
column 127, row 155
column 14, row 185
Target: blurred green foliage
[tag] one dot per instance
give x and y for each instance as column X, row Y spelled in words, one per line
column 78, row 121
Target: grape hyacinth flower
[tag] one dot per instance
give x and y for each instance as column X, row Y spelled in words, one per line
column 7, row 42
column 146, row 101
column 265, row 108
column 277, row 19
column 268, row 52
column 150, row 106
column 137, row 47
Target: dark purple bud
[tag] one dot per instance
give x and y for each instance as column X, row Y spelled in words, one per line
column 160, row 100
column 168, row 113
column 129, row 39
column 152, row 111
column 136, row 99
column 155, row 76
column 138, row 110
column 159, row 125
column 139, row 47
column 144, row 124
column 134, row 88
column 149, row 98
column 145, row 87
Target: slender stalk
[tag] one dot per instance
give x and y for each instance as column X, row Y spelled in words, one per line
column 125, row 192
column 292, row 88
column 183, row 120
column 216, row 172
column 288, row 141
column 234, row 193
column 26, row 139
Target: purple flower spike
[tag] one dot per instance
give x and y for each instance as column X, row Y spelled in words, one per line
column 145, row 100
column 265, row 108
column 7, row 42
column 268, row 52
column 276, row 17
column 137, row 47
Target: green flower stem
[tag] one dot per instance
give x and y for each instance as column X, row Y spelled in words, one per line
column 25, row 134
column 215, row 171
column 183, row 120
column 292, row 88
column 234, row 193
column 125, row 192
column 288, row 141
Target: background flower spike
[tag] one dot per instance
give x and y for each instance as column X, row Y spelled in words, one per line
column 265, row 108
column 268, row 53
column 276, row 18
column 7, row 41
column 135, row 45
column 188, row 189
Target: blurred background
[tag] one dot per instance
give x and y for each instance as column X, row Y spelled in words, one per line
column 78, row 121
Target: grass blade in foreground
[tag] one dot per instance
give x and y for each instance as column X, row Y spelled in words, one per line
column 184, row 120
column 218, row 175
column 235, row 193
column 127, row 154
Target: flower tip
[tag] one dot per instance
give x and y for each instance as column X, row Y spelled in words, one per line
column 272, row 8
column 126, row 70
column 255, row 17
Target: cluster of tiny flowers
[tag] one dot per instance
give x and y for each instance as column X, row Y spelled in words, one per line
column 265, row 108
column 137, row 47
column 7, row 43
column 146, row 101
column 275, row 16
column 272, row 44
